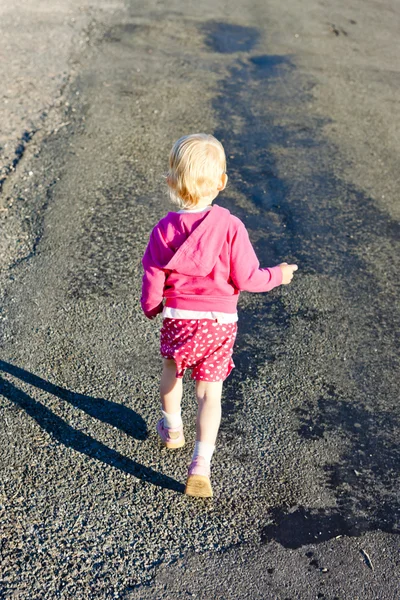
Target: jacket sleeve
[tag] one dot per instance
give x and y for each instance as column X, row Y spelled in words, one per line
column 154, row 276
column 246, row 274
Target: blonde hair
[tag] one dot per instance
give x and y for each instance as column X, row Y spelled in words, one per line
column 196, row 163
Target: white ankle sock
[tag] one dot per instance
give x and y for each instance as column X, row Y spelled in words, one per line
column 172, row 420
column 203, row 449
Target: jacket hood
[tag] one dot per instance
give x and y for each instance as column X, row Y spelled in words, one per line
column 200, row 251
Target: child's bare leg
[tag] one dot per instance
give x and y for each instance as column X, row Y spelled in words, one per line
column 209, row 411
column 207, row 425
column 171, row 394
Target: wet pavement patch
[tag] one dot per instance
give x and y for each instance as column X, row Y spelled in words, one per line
column 281, row 164
column 301, row 526
column 228, row 38
column 365, row 479
column 267, row 63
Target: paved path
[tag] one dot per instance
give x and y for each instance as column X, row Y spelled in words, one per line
column 306, row 474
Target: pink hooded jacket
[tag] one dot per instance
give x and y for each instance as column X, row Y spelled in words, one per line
column 201, row 261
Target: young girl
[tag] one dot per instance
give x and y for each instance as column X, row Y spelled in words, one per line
column 199, row 259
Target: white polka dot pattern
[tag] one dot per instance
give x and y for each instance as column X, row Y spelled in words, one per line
column 194, row 345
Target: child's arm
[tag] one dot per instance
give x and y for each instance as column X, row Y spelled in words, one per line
column 151, row 299
column 245, row 267
column 153, row 279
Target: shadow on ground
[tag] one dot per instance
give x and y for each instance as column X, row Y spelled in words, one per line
column 106, row 411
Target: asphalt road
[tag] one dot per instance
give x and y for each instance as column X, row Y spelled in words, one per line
column 306, row 473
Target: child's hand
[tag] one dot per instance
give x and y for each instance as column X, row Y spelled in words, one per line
column 287, row 272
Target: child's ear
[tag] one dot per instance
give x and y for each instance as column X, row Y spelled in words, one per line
column 223, row 182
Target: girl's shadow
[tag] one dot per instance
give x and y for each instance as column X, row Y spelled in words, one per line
column 109, row 412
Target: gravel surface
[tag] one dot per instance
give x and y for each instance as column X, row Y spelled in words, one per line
column 306, row 473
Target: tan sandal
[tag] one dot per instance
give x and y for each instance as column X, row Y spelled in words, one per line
column 198, row 482
column 171, row 438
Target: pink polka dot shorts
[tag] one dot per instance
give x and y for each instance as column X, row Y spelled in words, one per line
column 202, row 345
